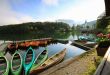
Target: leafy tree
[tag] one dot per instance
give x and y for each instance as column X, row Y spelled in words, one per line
column 102, row 23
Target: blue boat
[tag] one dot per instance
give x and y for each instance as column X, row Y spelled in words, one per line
column 29, row 59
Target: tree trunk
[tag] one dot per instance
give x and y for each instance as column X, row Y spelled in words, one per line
column 107, row 7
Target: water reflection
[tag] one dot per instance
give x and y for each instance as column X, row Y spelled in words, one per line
column 57, row 35
column 53, row 47
column 17, row 37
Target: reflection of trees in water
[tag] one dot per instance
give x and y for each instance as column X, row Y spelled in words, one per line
column 55, row 35
column 77, row 33
column 34, row 30
column 86, row 36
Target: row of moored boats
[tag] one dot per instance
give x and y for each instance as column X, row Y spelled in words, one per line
column 29, row 64
column 28, row 43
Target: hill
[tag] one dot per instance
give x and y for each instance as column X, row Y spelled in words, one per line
column 68, row 21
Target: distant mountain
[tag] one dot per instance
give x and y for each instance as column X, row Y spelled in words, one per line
column 68, row 21
column 90, row 23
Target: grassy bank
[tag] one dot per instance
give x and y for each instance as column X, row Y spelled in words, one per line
column 84, row 64
column 92, row 64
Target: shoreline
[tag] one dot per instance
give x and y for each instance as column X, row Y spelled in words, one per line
column 78, row 65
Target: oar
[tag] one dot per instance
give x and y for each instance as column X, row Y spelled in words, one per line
column 27, row 66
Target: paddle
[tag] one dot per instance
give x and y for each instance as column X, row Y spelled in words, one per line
column 28, row 60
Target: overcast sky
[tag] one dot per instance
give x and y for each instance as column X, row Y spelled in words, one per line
column 19, row 11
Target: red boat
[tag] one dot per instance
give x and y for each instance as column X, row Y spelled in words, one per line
column 26, row 44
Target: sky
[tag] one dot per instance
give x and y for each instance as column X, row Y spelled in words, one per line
column 20, row 11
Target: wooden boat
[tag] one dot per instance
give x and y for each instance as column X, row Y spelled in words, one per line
column 29, row 59
column 12, row 46
column 50, row 62
column 33, row 43
column 46, row 39
column 27, row 44
column 16, row 63
column 39, row 60
column 4, row 66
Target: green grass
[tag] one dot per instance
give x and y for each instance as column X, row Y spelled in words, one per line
column 92, row 66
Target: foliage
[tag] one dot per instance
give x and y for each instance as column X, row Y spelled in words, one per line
column 37, row 27
column 103, row 37
column 103, row 40
column 73, row 27
column 34, row 30
column 102, row 24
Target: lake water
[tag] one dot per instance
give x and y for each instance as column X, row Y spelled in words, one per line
column 53, row 48
column 72, row 51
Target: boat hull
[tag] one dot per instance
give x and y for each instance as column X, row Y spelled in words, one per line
column 50, row 62
column 6, row 72
column 19, row 57
column 39, row 60
column 27, row 66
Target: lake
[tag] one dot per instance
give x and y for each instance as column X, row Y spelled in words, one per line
column 59, row 42
column 53, row 48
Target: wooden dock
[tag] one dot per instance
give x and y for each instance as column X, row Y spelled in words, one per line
column 104, row 67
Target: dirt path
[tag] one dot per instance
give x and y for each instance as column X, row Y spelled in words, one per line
column 78, row 67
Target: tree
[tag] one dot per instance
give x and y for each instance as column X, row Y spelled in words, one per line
column 102, row 23
column 107, row 7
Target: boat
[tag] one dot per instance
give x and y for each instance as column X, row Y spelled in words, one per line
column 12, row 46
column 33, row 43
column 16, row 64
column 27, row 44
column 2, row 53
column 29, row 59
column 4, row 66
column 39, row 60
column 48, row 39
column 55, row 59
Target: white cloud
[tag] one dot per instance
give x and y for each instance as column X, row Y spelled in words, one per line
column 8, row 16
column 25, row 18
column 86, row 10
column 83, row 10
column 50, row 2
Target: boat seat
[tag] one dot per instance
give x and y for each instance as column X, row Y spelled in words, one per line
column 16, row 67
